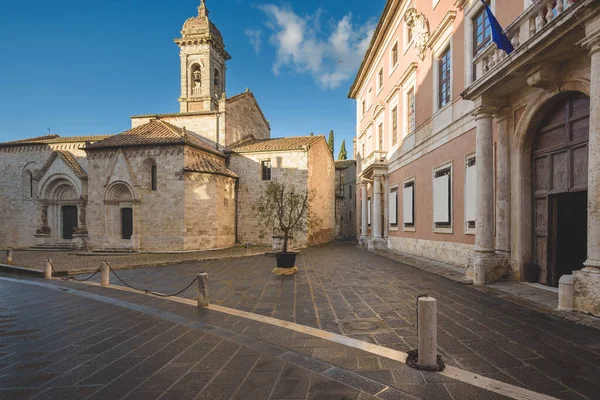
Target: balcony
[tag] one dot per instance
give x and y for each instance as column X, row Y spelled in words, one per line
column 377, row 158
column 544, row 36
column 530, row 25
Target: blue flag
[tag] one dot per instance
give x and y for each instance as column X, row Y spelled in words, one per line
column 498, row 35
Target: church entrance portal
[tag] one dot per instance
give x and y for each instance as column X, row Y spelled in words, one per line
column 69, row 221
column 559, row 169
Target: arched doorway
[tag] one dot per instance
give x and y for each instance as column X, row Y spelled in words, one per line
column 120, row 216
column 60, row 209
column 559, row 188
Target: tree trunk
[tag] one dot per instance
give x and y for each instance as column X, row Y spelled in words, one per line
column 285, row 241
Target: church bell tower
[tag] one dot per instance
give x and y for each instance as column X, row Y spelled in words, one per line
column 203, row 59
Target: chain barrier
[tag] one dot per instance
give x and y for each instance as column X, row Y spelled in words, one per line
column 71, row 278
column 147, row 291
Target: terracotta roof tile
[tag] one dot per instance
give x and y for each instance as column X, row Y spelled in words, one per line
column 206, row 165
column 54, row 139
column 155, row 133
column 278, row 144
column 343, row 164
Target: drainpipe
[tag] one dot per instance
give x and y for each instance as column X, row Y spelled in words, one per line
column 237, row 189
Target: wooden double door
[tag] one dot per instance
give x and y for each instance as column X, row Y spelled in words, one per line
column 559, row 179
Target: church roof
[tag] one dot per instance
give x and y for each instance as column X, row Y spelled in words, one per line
column 208, row 166
column 343, row 164
column 54, row 139
column 277, row 144
column 68, row 158
column 155, row 133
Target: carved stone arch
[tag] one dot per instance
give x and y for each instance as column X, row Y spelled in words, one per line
column 524, row 135
column 121, row 216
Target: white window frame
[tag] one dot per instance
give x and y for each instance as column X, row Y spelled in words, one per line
column 392, row 226
column 469, row 207
column 445, row 42
column 407, row 227
column 475, row 7
column 380, row 121
column 369, row 139
column 411, row 83
column 379, row 83
column 446, row 229
column 391, row 105
column 434, row 4
column 393, row 65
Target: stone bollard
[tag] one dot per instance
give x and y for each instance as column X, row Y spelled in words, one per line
column 203, row 289
column 427, row 312
column 9, row 256
column 566, row 293
column 104, row 275
column 247, row 248
column 47, row 268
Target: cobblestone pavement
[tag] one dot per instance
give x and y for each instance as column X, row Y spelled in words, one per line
column 480, row 329
column 77, row 261
column 71, row 341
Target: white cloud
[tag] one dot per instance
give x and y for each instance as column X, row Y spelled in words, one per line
column 255, row 37
column 302, row 44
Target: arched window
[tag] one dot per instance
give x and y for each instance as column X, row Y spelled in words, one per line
column 196, row 80
column 153, row 177
column 28, row 184
column 217, row 79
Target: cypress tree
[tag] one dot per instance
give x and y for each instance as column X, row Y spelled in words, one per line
column 330, row 142
column 343, row 154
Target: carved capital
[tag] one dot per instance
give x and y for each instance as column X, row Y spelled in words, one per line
column 487, row 107
column 544, row 76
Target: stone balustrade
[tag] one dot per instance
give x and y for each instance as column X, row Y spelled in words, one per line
column 376, row 157
column 532, row 22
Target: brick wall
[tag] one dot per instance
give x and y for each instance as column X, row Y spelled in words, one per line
column 243, row 117
column 321, row 179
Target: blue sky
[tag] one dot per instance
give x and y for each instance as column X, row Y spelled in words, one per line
column 81, row 67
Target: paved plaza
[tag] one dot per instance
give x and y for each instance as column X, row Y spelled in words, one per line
column 480, row 329
column 64, row 340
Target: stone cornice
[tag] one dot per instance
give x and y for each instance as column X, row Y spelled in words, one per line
column 446, row 23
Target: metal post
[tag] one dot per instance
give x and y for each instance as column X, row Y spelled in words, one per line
column 202, row 289
column 105, row 274
column 9, row 256
column 47, row 269
column 427, row 312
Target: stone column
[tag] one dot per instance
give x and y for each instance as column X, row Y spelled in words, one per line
column 484, row 203
column 586, row 282
column 376, row 217
column 363, row 213
column 593, row 236
column 502, row 187
column 386, row 206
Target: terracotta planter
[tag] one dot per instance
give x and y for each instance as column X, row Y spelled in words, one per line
column 286, row 260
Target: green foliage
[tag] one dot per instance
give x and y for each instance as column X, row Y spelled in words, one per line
column 284, row 207
column 330, row 142
column 343, row 154
column 312, row 134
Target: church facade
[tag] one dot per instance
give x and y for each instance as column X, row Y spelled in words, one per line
column 179, row 181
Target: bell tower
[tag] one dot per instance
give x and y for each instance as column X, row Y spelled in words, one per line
column 203, row 59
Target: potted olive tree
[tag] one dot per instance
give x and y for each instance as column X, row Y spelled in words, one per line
column 284, row 207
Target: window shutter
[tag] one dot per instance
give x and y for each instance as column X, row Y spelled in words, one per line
column 441, row 197
column 470, row 194
column 408, row 205
column 393, row 206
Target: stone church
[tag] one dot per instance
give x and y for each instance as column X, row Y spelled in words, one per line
column 180, row 181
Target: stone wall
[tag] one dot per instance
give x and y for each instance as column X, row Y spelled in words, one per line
column 446, row 252
column 287, row 166
column 209, row 207
column 158, row 215
column 321, row 180
column 345, row 186
column 243, row 117
column 20, row 212
column 204, row 124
